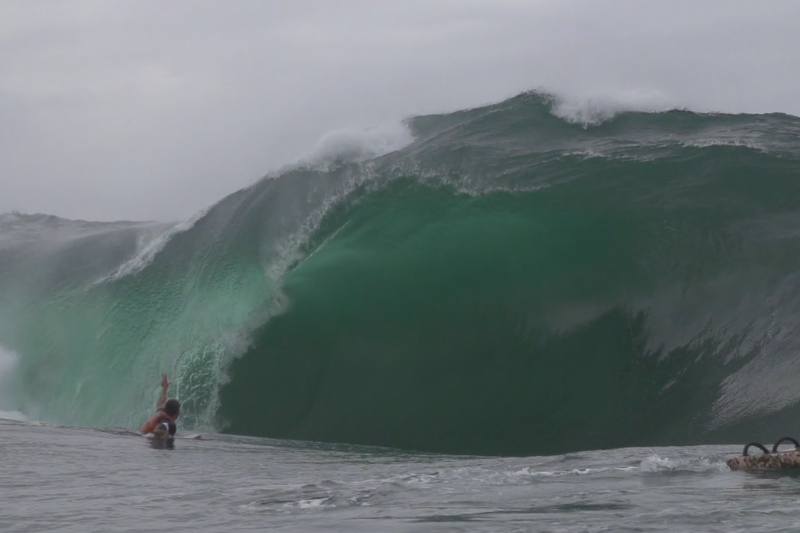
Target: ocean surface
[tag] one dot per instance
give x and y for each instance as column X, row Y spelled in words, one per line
column 84, row 481
column 498, row 292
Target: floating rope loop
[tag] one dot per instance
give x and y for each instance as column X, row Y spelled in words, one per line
column 785, row 439
column 757, row 445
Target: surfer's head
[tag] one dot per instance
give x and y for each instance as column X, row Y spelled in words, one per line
column 172, row 408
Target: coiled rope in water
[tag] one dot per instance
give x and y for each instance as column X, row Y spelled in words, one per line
column 767, row 459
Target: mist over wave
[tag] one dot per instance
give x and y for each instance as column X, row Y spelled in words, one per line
column 8, row 363
column 536, row 276
column 360, row 145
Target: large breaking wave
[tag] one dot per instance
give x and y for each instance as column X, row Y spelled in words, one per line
column 513, row 281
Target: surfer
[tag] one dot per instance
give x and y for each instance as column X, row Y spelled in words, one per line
column 162, row 423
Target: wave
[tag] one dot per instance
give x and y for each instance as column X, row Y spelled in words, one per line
column 520, row 278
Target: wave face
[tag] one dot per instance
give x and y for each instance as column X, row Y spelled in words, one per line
column 511, row 282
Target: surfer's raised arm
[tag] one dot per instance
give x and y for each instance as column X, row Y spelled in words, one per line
column 162, row 423
column 162, row 398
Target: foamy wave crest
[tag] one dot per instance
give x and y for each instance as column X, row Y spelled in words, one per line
column 596, row 109
column 360, row 144
column 149, row 249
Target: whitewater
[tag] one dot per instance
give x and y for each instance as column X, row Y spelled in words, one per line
column 78, row 480
column 537, row 315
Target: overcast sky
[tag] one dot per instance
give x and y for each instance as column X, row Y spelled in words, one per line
column 153, row 109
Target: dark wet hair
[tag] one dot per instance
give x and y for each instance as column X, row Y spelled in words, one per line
column 172, row 407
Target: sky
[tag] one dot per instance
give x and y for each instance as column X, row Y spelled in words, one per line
column 153, row 110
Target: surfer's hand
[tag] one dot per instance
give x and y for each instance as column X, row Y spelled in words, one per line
column 164, row 381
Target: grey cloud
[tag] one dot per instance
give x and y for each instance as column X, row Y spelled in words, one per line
column 154, row 110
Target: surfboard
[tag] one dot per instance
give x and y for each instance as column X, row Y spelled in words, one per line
column 152, row 436
column 190, row 436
